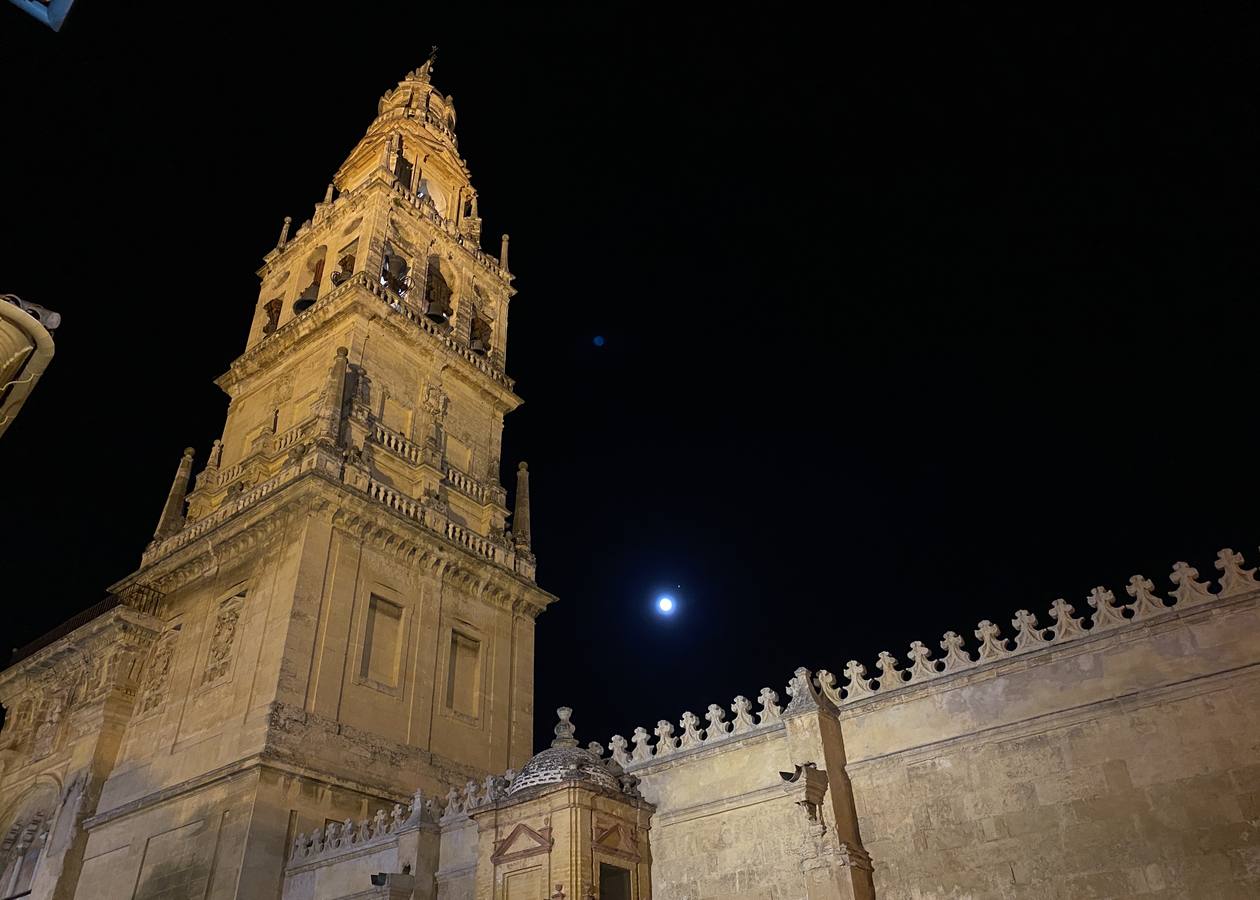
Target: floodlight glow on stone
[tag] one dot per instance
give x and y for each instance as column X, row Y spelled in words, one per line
column 665, row 605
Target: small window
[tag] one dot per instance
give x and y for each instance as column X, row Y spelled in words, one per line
column 614, row 882
column 382, row 642
column 463, row 677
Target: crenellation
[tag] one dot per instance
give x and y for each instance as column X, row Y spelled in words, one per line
column 1146, row 603
column 1189, row 590
column 1235, row 579
column 1030, row 636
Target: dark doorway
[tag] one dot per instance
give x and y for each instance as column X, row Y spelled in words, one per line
column 614, row 882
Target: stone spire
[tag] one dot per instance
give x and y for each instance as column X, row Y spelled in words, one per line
column 520, row 516
column 564, row 729
column 334, row 399
column 172, row 519
column 503, row 253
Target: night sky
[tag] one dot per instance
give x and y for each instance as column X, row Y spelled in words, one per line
column 907, row 321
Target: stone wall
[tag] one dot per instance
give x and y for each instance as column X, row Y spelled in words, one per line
column 729, row 823
column 1116, row 760
column 1112, row 755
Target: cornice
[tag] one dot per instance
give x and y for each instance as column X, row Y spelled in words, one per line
column 416, row 548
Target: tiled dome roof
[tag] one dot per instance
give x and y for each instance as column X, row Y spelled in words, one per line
column 556, row 764
column 564, row 760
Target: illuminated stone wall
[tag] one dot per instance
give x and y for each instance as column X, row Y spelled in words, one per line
column 1119, row 761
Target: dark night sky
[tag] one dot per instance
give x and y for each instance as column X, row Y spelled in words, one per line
column 910, row 321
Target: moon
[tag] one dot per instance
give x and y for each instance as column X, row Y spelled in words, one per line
column 665, row 605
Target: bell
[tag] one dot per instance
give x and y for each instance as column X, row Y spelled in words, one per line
column 477, row 346
column 437, row 312
column 305, row 300
column 340, row 277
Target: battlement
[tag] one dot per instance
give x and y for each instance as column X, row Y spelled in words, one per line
column 992, row 647
column 1030, row 636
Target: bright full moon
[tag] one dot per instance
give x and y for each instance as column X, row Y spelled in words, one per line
column 665, row 605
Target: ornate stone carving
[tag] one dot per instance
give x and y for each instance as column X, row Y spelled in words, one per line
column 1105, row 614
column 691, row 733
column 1028, row 634
column 742, row 708
column 618, row 748
column 890, row 675
column 1146, row 602
column 770, row 711
column 1234, row 578
column 922, row 666
column 49, row 728
column 642, row 747
column 158, row 674
column 859, row 685
column 666, row 743
column 718, row 726
column 955, row 656
column 1066, row 626
column 1189, row 589
column 992, row 644
column 223, row 639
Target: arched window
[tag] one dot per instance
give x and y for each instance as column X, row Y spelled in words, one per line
column 345, row 262
column 22, row 841
column 402, row 166
column 394, row 272
column 314, row 269
column 437, row 292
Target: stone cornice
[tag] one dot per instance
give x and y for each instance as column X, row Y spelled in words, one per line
column 412, row 545
column 120, row 628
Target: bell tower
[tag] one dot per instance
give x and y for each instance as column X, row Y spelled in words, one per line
column 340, row 611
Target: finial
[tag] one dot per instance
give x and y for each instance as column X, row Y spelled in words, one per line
column 503, row 254
column 328, row 194
column 520, row 515
column 564, row 729
column 172, row 518
column 284, row 232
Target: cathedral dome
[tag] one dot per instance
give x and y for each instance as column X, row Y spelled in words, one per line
column 564, row 760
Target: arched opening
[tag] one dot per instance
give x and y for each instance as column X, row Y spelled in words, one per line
column 395, row 272
column 480, row 334
column 402, row 166
column 23, row 838
column 437, row 293
column 314, row 269
column 345, row 262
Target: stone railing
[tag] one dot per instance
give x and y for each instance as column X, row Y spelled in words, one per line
column 139, row 597
column 401, row 503
column 465, row 484
column 1030, row 635
column 470, row 540
column 194, row 530
column 395, row 443
column 456, row 534
column 421, row 321
column 692, row 736
column 426, row 208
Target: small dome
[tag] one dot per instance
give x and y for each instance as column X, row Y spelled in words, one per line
column 564, row 760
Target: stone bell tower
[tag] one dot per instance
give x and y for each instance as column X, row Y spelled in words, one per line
column 343, row 615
